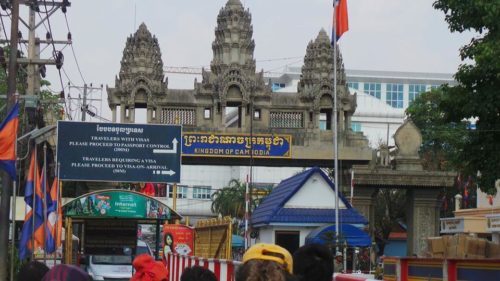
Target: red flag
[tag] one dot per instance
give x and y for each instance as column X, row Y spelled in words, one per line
column 340, row 18
column 8, row 137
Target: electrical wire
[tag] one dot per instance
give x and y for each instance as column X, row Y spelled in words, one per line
column 54, row 53
column 73, row 51
column 3, row 27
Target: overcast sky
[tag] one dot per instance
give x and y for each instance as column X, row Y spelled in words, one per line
column 398, row 35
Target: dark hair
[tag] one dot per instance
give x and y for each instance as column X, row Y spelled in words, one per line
column 198, row 273
column 262, row 270
column 313, row 262
column 32, row 271
column 165, row 238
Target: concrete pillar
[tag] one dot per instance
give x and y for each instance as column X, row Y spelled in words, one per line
column 149, row 115
column 113, row 113
column 423, row 218
column 132, row 115
column 122, row 113
column 243, row 115
column 363, row 201
column 222, row 116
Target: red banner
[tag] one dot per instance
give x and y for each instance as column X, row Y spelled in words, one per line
column 178, row 239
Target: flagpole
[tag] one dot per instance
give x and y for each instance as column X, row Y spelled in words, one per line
column 56, row 224
column 33, row 210
column 44, row 203
column 13, row 214
column 335, row 129
column 352, row 184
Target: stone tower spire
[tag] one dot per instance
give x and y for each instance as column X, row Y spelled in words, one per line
column 316, row 82
column 140, row 80
column 141, row 57
column 233, row 44
column 317, row 72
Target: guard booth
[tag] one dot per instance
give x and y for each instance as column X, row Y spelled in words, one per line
column 106, row 222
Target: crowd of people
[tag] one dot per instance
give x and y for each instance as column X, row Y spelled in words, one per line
column 261, row 262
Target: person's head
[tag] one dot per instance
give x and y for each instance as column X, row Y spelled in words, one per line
column 313, row 262
column 65, row 272
column 265, row 262
column 169, row 239
column 198, row 273
column 32, row 271
column 147, row 269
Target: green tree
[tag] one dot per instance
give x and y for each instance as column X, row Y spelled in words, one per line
column 476, row 95
column 442, row 140
column 389, row 211
column 230, row 200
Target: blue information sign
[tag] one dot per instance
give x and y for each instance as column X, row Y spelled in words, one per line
column 236, row 145
column 119, row 152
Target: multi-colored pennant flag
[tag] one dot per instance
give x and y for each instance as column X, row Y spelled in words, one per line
column 54, row 222
column 8, row 137
column 32, row 220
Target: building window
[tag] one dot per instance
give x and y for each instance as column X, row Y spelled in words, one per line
column 207, row 113
column 181, row 191
column 277, row 86
column 434, row 87
column 202, row 192
column 356, row 126
column 178, row 116
column 256, row 114
column 394, row 95
column 373, row 89
column 354, row 85
column 414, row 90
column 325, row 119
column 286, row 120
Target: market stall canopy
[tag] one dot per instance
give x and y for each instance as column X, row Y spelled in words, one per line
column 116, row 203
column 354, row 236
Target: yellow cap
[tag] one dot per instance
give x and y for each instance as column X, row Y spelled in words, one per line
column 270, row 252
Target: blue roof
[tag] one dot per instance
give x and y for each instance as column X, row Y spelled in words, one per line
column 271, row 209
column 354, row 236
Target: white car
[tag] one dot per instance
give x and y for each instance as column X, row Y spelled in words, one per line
column 116, row 268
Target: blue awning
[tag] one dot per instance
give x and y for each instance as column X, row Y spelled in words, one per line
column 354, row 236
column 238, row 241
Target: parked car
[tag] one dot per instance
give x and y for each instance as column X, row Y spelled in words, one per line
column 114, row 267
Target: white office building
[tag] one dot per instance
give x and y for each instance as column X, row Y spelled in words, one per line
column 382, row 97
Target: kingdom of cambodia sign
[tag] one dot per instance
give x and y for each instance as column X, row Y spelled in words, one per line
column 236, row 145
column 117, row 204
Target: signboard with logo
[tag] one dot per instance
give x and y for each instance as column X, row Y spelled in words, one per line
column 178, row 239
column 452, row 225
column 493, row 224
column 119, row 152
column 117, row 204
column 237, row 145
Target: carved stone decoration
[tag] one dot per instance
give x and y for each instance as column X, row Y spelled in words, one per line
column 408, row 139
column 317, row 73
column 233, row 64
column 141, row 70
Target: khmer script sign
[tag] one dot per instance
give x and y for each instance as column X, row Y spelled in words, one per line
column 118, row 152
column 236, row 145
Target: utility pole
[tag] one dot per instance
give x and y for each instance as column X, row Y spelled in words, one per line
column 87, row 91
column 33, row 63
column 6, row 180
column 84, row 105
